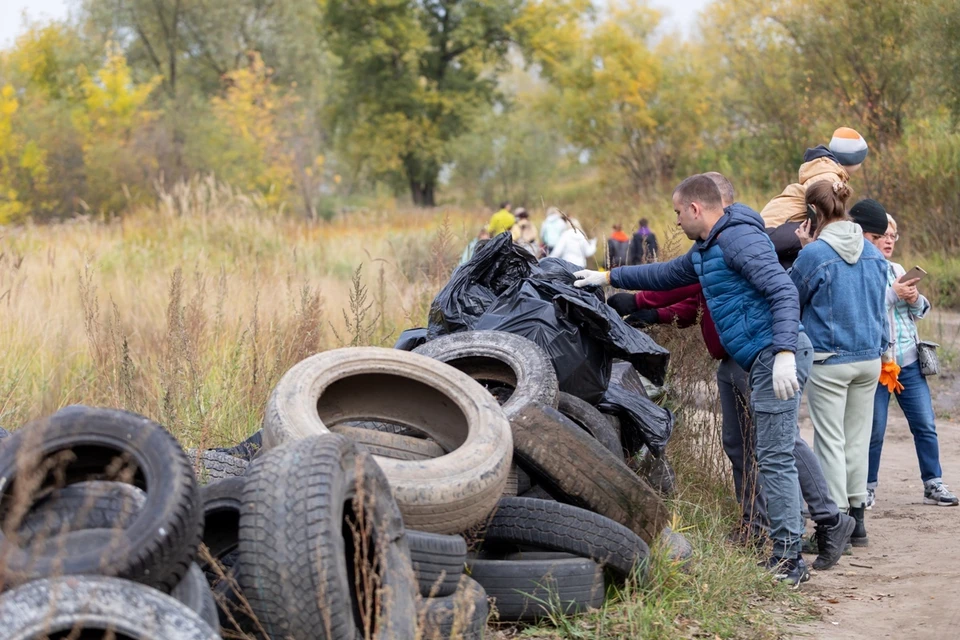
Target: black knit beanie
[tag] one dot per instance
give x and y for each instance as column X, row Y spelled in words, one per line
column 871, row 216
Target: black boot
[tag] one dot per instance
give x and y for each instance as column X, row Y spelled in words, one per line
column 859, row 537
column 832, row 540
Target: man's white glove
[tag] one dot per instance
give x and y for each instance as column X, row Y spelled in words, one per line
column 587, row 278
column 785, row 384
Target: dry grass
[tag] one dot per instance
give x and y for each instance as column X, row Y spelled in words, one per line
column 191, row 311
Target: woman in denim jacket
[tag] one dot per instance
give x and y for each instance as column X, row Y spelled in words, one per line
column 904, row 307
column 842, row 283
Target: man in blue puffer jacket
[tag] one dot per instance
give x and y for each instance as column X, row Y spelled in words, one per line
column 756, row 310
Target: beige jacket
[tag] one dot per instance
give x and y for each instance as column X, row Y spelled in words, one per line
column 791, row 206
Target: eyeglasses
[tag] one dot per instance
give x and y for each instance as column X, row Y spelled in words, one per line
column 893, row 237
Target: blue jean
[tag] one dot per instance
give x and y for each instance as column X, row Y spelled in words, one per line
column 918, row 408
column 739, row 443
column 776, row 425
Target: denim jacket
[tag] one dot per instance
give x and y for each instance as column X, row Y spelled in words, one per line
column 842, row 283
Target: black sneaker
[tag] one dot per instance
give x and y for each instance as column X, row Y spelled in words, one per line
column 790, row 572
column 832, row 541
column 859, row 536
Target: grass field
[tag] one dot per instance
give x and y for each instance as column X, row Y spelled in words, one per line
column 191, row 311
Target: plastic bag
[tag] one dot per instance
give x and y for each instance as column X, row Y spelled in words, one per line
column 476, row 284
column 411, row 339
column 642, row 421
column 581, row 362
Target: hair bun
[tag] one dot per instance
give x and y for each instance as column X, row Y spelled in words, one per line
column 841, row 190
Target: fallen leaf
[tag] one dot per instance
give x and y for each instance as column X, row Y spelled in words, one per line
column 833, row 601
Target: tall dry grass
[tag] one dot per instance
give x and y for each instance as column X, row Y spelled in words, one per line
column 190, row 311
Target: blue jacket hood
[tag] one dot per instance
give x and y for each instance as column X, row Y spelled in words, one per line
column 819, row 151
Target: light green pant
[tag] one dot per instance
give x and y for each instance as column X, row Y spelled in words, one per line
column 840, row 398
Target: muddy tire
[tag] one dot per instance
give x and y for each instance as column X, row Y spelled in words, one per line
column 438, row 562
column 531, row 585
column 575, row 468
column 89, row 606
column 500, row 359
column 554, row 526
column 459, row 616
column 80, row 444
column 588, row 418
column 448, row 494
column 389, row 445
column 298, row 549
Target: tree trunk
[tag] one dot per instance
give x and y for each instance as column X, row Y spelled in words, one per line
column 423, row 183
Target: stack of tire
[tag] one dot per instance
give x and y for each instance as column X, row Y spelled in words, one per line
column 352, row 521
column 100, row 524
column 455, row 460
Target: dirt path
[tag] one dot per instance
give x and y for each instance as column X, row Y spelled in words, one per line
column 907, row 584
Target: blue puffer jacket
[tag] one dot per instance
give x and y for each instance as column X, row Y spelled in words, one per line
column 751, row 298
column 842, row 284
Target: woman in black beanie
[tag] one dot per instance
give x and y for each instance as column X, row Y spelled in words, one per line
column 905, row 306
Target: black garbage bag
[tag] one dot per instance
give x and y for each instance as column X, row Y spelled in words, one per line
column 642, row 421
column 581, row 362
column 626, row 375
column 580, row 333
column 475, row 285
column 411, row 339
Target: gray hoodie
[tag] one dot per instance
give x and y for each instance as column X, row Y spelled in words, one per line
column 846, row 238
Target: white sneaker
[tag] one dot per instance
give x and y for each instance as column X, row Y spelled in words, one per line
column 871, row 497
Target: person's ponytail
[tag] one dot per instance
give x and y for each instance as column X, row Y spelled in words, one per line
column 829, row 200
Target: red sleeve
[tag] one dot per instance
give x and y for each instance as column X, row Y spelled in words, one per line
column 686, row 312
column 660, row 299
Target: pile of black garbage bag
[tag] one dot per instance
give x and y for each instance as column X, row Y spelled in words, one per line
column 504, row 288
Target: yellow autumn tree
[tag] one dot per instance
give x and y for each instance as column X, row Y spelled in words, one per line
column 252, row 153
column 617, row 97
column 113, row 111
column 11, row 208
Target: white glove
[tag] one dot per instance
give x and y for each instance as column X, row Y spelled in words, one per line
column 785, row 384
column 587, row 278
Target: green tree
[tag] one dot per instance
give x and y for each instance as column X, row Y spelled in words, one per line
column 513, row 151
column 632, row 106
column 412, row 75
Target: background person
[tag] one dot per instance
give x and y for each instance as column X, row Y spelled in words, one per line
column 471, row 247
column 904, row 306
column 643, row 245
column 573, row 245
column 618, row 247
column 524, row 232
column 501, row 221
column 551, row 229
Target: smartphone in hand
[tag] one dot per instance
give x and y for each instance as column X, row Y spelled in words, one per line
column 915, row 273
